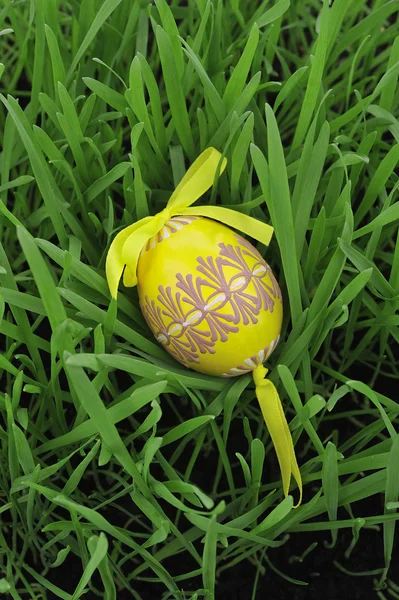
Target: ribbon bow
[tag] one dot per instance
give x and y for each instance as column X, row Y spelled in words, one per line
column 124, row 254
column 125, row 250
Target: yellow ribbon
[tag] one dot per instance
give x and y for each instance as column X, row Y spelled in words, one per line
column 123, row 257
column 273, row 414
column 125, row 250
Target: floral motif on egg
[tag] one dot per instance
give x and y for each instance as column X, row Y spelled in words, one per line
column 227, row 292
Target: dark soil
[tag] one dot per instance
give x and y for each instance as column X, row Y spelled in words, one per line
column 325, row 580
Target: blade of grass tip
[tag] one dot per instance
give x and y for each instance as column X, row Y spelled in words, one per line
column 50, row 108
column 87, row 112
column 104, row 182
column 239, row 156
column 46, row 585
column 93, row 405
column 362, row 263
column 98, row 547
column 289, row 86
column 315, row 78
column 129, row 29
column 385, row 116
column 232, row 396
column 394, row 275
column 142, row 32
column 384, row 171
column 391, row 495
column 273, row 13
column 257, row 460
column 339, row 122
column 388, row 93
column 362, row 388
column 45, row 181
column 174, row 91
column 303, row 207
column 155, row 103
column 123, row 410
column 61, row 557
column 136, row 98
column 24, row 453
column 107, row 576
column 22, row 180
column 277, row 514
column 236, row 83
column 209, row 559
column 214, row 47
column 177, row 162
column 315, row 246
column 93, row 312
column 185, row 428
column 334, row 269
column 55, row 310
column 103, row 525
column 106, row 9
column 292, row 391
column 364, row 148
column 7, row 152
column 386, row 217
column 330, row 484
column 81, row 271
column 70, row 125
column 55, row 56
column 223, row 460
column 110, row 96
column 337, row 15
column 306, row 157
column 12, row 456
column 371, row 22
column 39, row 53
column 196, row 46
column 140, row 197
column 210, row 91
column 111, row 70
column 172, row 31
column 352, row 69
column 245, row 470
column 344, row 298
column 277, row 196
column 23, row 326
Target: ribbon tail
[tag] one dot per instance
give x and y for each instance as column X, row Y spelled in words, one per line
column 244, row 223
column 294, row 464
column 115, row 264
column 277, row 426
column 198, row 179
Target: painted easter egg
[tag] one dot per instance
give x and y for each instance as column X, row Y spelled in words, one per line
column 209, row 297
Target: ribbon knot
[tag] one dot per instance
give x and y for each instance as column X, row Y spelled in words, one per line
column 165, row 215
column 124, row 252
column 259, row 375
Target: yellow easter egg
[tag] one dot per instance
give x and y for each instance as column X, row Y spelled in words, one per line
column 209, row 297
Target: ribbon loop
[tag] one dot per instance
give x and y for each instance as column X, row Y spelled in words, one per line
column 277, row 425
column 198, row 179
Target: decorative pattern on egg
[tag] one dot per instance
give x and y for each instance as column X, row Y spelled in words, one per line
column 209, row 297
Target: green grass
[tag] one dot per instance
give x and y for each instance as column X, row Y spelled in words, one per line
column 113, row 457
